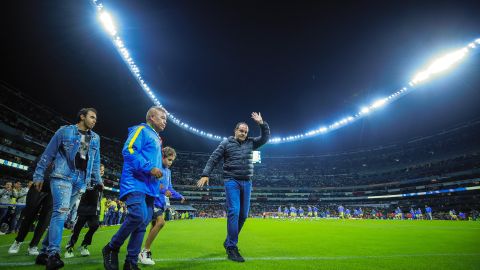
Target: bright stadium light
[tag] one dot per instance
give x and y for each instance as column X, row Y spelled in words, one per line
column 107, row 22
column 119, row 44
column 379, row 103
column 365, row 110
column 437, row 66
column 442, row 64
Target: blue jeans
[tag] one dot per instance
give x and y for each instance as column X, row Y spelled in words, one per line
column 119, row 218
column 72, row 213
column 237, row 194
column 106, row 218
column 112, row 218
column 140, row 209
column 64, row 194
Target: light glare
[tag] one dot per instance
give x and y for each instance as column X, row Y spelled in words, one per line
column 440, row 65
column 437, row 66
column 107, row 22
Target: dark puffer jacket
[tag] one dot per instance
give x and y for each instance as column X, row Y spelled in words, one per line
column 237, row 157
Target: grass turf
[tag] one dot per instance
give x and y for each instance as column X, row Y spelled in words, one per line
column 286, row 244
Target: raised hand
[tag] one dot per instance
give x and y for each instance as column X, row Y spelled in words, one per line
column 257, row 117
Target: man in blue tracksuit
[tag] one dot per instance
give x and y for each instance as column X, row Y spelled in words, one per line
column 139, row 186
column 237, row 154
column 75, row 153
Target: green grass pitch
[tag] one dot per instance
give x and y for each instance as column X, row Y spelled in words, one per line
column 286, row 244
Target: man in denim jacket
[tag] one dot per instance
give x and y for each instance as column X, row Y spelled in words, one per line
column 139, row 186
column 75, row 153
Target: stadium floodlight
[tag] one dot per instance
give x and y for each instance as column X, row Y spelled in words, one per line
column 434, row 192
column 107, row 22
column 379, row 103
column 365, row 110
column 438, row 66
column 441, row 64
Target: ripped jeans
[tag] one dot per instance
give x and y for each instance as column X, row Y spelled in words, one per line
column 64, row 194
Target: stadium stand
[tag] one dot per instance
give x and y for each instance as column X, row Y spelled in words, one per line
column 445, row 164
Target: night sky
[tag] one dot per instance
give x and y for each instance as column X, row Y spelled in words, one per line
column 302, row 64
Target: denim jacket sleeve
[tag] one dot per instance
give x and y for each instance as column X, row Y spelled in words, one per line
column 133, row 148
column 48, row 155
column 214, row 159
column 96, row 166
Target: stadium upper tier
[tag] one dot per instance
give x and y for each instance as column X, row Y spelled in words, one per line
column 26, row 127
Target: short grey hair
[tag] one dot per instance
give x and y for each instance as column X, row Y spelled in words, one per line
column 153, row 109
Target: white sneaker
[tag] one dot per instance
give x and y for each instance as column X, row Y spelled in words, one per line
column 84, row 251
column 14, row 248
column 33, row 251
column 145, row 257
column 69, row 253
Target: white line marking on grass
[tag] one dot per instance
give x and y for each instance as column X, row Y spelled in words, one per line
column 396, row 226
column 319, row 258
column 17, row 264
column 292, row 258
column 65, row 236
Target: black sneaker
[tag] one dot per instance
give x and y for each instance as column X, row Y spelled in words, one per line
column 130, row 266
column 240, row 258
column 41, row 259
column 234, row 255
column 54, row 262
column 110, row 258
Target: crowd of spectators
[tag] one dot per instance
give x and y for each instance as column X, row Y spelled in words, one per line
column 450, row 155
